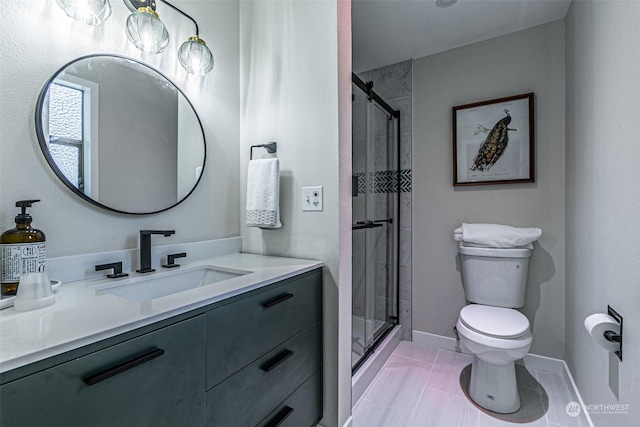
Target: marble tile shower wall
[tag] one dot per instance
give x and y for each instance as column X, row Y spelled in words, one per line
column 393, row 84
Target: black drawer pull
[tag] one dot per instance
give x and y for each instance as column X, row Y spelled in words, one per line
column 277, row 300
column 279, row 418
column 273, row 363
column 94, row 379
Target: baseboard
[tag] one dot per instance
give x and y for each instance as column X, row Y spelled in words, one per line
column 530, row 361
column 543, row 363
column 349, row 422
column 368, row 371
column 533, row 361
column 439, row 341
column 568, row 377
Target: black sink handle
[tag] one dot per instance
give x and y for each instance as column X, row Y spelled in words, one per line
column 171, row 260
column 117, row 269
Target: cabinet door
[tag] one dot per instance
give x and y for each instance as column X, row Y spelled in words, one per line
column 154, row 380
column 240, row 332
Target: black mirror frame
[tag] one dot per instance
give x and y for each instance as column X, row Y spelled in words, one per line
column 45, row 151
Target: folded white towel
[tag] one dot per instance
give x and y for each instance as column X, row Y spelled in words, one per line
column 496, row 235
column 263, row 193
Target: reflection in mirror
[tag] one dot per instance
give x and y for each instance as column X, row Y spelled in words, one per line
column 120, row 134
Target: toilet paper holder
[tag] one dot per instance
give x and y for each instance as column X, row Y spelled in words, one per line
column 612, row 336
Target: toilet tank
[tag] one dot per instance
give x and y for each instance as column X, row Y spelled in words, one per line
column 495, row 276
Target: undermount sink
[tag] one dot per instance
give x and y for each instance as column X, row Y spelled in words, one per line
column 167, row 283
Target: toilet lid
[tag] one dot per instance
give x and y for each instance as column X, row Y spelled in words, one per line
column 495, row 321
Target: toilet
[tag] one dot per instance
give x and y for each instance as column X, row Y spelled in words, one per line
column 490, row 328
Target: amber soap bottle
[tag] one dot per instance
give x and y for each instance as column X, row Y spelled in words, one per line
column 22, row 250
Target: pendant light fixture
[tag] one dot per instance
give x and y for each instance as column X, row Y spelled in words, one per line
column 145, row 30
column 193, row 55
column 91, row 12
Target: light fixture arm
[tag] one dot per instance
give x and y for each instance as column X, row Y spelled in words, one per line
column 184, row 14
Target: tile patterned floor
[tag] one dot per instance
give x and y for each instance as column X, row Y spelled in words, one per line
column 420, row 386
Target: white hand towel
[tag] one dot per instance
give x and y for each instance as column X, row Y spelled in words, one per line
column 496, row 235
column 263, row 193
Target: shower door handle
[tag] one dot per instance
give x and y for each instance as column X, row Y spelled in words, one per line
column 390, row 220
column 360, row 225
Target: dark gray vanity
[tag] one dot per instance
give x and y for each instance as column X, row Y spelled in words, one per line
column 254, row 359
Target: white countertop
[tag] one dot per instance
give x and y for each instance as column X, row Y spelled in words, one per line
column 82, row 315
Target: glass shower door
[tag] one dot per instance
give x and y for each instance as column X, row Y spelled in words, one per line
column 359, row 341
column 375, row 205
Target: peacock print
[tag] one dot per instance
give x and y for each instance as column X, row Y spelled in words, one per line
column 494, row 145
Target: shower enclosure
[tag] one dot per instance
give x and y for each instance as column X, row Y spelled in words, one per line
column 375, row 191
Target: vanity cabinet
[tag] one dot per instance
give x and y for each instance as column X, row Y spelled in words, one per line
column 251, row 360
column 162, row 387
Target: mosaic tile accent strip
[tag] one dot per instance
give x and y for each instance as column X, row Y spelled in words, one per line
column 385, row 181
column 405, row 180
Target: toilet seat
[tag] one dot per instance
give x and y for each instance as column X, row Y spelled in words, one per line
column 497, row 322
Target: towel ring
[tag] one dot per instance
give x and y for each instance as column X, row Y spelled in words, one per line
column 271, row 148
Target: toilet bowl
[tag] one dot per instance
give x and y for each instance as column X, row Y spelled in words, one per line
column 494, row 282
column 496, row 337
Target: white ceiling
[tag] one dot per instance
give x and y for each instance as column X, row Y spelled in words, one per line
column 390, row 31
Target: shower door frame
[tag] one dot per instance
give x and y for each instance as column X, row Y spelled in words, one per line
column 367, row 88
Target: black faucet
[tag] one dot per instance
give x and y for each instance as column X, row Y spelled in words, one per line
column 145, row 248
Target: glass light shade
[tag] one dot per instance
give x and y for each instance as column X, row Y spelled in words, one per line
column 91, row 12
column 146, row 31
column 195, row 56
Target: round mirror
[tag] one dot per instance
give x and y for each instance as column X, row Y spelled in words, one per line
column 120, row 134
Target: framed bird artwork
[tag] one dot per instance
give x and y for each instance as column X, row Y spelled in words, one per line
column 493, row 141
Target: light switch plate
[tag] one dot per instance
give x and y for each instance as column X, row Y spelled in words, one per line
column 312, row 198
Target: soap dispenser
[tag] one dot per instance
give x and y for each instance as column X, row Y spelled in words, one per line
column 22, row 250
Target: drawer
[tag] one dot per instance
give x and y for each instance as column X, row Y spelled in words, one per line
column 302, row 409
column 248, row 396
column 240, row 332
column 163, row 385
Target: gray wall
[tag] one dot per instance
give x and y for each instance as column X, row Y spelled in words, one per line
column 603, row 184
column 289, row 92
column 43, row 40
column 527, row 61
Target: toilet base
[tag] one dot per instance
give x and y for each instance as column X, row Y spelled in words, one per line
column 494, row 387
